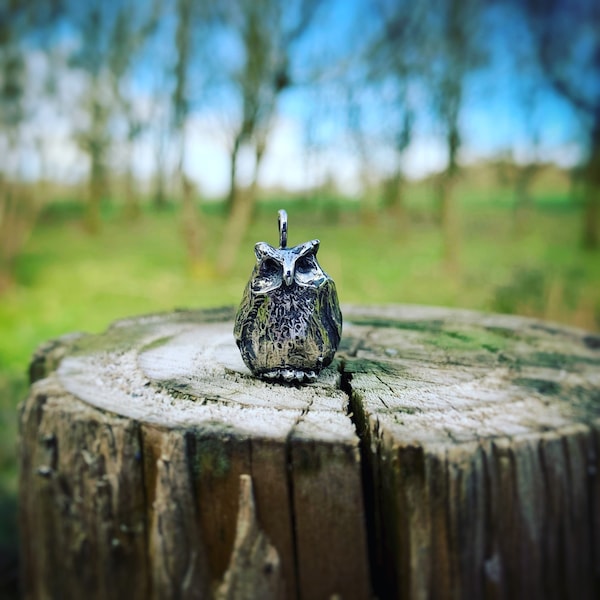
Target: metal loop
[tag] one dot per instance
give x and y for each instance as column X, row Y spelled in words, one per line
column 283, row 228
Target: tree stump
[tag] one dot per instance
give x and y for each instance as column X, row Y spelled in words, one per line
column 444, row 454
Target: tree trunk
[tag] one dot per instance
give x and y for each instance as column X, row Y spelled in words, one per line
column 159, row 192
column 444, row 454
column 96, row 188
column 447, row 202
column 591, row 235
column 193, row 229
column 591, row 214
column 523, row 207
column 132, row 202
column 132, row 208
column 233, row 187
column 159, row 197
column 96, row 144
column 18, row 214
column 449, row 222
column 395, row 201
column 240, row 217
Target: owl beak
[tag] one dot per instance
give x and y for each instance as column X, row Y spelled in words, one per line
column 288, row 268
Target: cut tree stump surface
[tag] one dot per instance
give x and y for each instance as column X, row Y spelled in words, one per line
column 444, row 454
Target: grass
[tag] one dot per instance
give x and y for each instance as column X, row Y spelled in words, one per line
column 67, row 280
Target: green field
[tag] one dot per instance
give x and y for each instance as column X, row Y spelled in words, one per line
column 67, row 280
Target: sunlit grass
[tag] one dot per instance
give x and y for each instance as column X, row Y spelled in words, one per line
column 68, row 280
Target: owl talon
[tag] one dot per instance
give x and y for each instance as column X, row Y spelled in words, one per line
column 290, row 375
column 310, row 376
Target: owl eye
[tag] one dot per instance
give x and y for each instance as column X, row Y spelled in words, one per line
column 304, row 264
column 269, row 268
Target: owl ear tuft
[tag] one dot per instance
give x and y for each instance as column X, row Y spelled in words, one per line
column 308, row 248
column 262, row 249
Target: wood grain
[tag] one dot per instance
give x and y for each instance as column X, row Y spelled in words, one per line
column 480, row 448
column 444, row 454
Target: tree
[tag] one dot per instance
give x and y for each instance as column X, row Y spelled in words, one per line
column 267, row 31
column 22, row 25
column 567, row 36
column 519, row 167
column 190, row 19
column 94, row 25
column 134, row 24
column 394, row 59
column 160, row 117
column 453, row 50
column 110, row 36
column 360, row 136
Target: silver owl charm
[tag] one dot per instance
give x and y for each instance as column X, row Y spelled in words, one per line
column 289, row 324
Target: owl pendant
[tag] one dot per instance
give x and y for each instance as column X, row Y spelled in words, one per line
column 289, row 324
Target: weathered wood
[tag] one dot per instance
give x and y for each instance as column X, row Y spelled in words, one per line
column 480, row 444
column 254, row 569
column 445, row 454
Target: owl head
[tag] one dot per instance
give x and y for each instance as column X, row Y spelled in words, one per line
column 277, row 267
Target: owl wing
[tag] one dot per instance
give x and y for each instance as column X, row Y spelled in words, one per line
column 246, row 320
column 330, row 314
column 244, row 313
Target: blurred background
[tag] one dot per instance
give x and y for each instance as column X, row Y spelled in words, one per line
column 445, row 152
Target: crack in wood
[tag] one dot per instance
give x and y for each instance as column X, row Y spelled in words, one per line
column 293, row 524
column 368, row 466
column 502, row 505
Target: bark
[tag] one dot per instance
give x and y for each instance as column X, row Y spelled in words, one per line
column 395, row 200
column 394, row 191
column 240, row 216
column 193, row 229
column 449, row 221
column 159, row 197
column 233, row 187
column 96, row 188
column 591, row 213
column 95, row 142
column 132, row 207
column 591, row 233
column 445, row 454
column 18, row 214
column 523, row 207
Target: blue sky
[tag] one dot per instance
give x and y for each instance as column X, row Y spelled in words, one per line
column 504, row 109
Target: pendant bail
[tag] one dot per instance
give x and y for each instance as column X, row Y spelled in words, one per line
column 283, row 228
